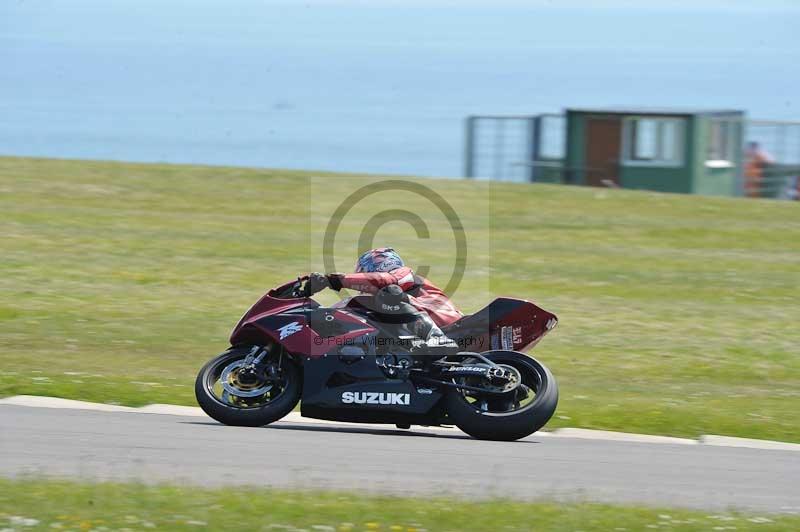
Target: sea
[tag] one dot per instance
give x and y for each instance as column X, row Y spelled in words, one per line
column 366, row 86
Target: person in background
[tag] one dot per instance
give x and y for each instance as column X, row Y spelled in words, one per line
column 755, row 162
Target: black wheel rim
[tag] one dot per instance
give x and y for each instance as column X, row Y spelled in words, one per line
column 504, row 403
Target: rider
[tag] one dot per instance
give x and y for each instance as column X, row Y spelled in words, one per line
column 382, row 267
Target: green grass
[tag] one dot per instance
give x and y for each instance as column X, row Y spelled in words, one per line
column 678, row 313
column 48, row 505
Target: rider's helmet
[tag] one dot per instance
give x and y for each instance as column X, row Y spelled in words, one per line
column 379, row 260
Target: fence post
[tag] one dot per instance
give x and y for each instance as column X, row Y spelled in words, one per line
column 535, row 138
column 499, row 142
column 469, row 147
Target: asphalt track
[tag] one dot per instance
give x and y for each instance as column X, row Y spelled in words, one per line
column 151, row 448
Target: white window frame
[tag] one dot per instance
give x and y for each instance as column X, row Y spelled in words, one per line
column 628, row 143
column 552, row 137
column 722, row 158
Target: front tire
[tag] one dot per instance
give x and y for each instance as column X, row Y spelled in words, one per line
column 254, row 412
column 487, row 421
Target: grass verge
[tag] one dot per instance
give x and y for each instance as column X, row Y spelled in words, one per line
column 49, row 505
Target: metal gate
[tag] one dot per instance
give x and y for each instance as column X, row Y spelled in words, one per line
column 513, row 148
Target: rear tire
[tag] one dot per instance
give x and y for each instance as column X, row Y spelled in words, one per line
column 230, row 414
column 513, row 425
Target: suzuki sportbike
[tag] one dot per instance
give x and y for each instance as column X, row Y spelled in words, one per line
column 376, row 359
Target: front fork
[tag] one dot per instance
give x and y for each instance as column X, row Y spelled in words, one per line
column 256, row 363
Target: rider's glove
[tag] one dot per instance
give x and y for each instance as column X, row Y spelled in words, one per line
column 335, row 281
column 317, row 282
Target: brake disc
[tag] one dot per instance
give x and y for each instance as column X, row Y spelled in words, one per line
column 231, row 384
column 504, row 371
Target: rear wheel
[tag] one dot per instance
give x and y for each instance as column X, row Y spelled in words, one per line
column 511, row 415
column 230, row 393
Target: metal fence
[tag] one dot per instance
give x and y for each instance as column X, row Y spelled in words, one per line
column 780, row 139
column 531, row 148
column 513, row 148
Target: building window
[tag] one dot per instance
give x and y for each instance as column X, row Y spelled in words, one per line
column 654, row 141
column 551, row 137
column 721, row 140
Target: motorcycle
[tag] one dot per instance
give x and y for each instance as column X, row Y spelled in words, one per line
column 376, row 359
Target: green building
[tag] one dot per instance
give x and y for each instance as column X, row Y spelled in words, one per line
column 668, row 150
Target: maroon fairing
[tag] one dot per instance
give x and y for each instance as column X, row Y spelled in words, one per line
column 268, row 305
column 506, row 323
column 263, row 322
column 528, row 323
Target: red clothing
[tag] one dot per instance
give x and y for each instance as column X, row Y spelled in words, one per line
column 422, row 294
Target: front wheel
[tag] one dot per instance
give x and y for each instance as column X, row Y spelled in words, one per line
column 508, row 416
column 230, row 391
